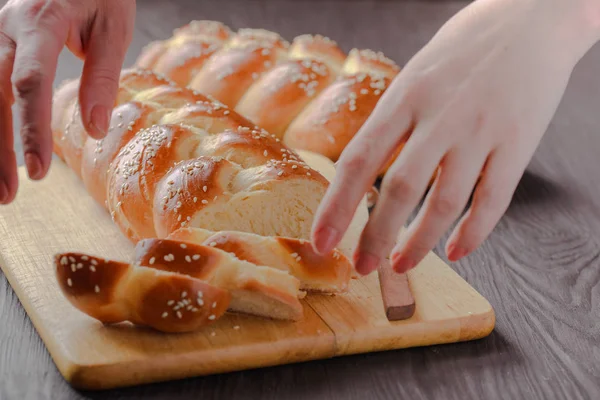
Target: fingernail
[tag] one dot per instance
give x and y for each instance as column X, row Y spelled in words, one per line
column 401, row 264
column 34, row 166
column 99, row 120
column 326, row 240
column 3, row 192
column 455, row 253
column 366, row 263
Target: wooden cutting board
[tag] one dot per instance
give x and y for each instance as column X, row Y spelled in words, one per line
column 57, row 215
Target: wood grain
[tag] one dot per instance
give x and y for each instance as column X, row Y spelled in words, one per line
column 93, row 356
column 539, row 268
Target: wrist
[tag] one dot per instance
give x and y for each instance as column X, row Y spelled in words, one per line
column 576, row 23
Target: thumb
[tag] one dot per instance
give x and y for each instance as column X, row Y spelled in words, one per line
column 109, row 37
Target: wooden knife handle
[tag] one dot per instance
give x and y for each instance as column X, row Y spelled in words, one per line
column 398, row 300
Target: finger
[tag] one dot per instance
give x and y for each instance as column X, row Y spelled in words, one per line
column 491, row 198
column 401, row 190
column 104, row 56
column 36, row 58
column 8, row 161
column 446, row 200
column 357, row 169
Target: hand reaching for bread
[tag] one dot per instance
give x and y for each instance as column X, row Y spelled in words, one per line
column 473, row 104
column 32, row 34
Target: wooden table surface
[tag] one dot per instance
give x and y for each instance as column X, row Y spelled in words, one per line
column 540, row 268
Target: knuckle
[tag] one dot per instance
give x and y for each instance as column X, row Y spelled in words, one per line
column 377, row 241
column 29, row 138
column 27, row 79
column 104, row 79
column 42, row 9
column 353, row 164
column 398, row 187
column 445, row 204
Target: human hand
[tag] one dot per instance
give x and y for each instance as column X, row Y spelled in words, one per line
column 32, row 34
column 475, row 102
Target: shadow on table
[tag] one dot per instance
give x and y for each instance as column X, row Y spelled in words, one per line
column 534, row 189
column 427, row 369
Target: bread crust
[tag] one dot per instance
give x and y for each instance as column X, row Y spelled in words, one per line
column 113, row 292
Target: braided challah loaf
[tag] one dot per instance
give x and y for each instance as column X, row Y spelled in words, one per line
column 308, row 93
column 175, row 158
column 199, row 155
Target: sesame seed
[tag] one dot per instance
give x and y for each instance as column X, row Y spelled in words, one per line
column 64, row 260
column 97, row 289
column 79, row 266
column 196, row 257
column 72, row 259
column 69, row 282
column 195, row 199
column 213, row 244
column 92, row 268
column 280, row 173
column 200, row 302
column 214, row 305
column 170, row 302
column 204, row 201
column 73, row 267
column 183, row 294
column 212, row 317
column 85, row 258
column 188, row 259
column 182, row 245
column 165, row 314
column 213, row 334
column 152, row 260
column 236, row 327
column 204, row 188
column 179, row 314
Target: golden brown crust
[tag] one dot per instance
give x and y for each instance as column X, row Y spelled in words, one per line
column 136, row 170
column 198, row 262
column 229, row 72
column 318, row 48
column 183, row 62
column 369, row 61
column 329, row 273
column 328, row 124
column 211, row 116
column 126, row 120
column 297, row 114
column 222, row 269
column 112, row 292
column 189, row 187
column 287, row 88
column 135, row 80
column 214, row 30
column 65, row 97
column 150, row 54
